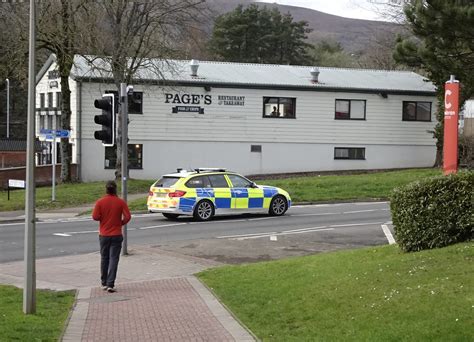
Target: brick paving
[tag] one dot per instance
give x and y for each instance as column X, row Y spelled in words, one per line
column 158, row 310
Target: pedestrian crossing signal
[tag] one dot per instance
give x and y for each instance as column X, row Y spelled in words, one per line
column 106, row 119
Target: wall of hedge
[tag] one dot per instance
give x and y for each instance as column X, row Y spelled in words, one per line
column 434, row 212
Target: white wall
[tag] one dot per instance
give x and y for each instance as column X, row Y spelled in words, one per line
column 221, row 137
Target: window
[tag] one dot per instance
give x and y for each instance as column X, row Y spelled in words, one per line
column 135, row 157
column 279, row 107
column 135, row 101
column 199, row 182
column 42, row 101
column 256, row 148
column 166, row 182
column 349, row 153
column 50, row 100
column 416, row 111
column 239, row 182
column 350, row 110
column 50, row 121
column 218, row 181
column 59, row 100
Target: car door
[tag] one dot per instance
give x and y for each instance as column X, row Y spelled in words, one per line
column 246, row 197
column 222, row 194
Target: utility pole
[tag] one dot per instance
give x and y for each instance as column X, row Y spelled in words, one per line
column 124, row 113
column 29, row 290
column 8, row 108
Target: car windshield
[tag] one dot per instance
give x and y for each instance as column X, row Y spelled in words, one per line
column 166, row 182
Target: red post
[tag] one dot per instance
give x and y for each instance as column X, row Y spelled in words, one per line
column 451, row 115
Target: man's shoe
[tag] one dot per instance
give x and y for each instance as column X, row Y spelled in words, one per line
column 104, row 287
column 111, row 290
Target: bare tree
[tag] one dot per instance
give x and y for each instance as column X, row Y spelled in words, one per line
column 130, row 33
column 59, row 33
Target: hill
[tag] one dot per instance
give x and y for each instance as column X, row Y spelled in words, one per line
column 353, row 34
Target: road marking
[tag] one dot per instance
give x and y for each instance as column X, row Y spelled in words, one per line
column 61, row 234
column 388, row 234
column 320, row 214
column 264, row 218
column 356, row 224
column 164, row 225
column 233, row 236
column 286, row 232
column 359, row 211
column 84, row 232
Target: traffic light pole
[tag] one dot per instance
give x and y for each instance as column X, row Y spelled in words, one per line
column 124, row 121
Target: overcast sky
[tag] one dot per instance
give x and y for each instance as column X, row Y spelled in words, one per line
column 359, row 9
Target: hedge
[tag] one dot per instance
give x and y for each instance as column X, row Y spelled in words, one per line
column 434, row 212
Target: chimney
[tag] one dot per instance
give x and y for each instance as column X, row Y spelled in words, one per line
column 314, row 75
column 194, row 64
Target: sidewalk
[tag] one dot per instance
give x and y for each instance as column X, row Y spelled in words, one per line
column 157, row 298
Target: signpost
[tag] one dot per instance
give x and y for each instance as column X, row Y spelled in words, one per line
column 54, row 136
column 15, row 183
column 451, row 115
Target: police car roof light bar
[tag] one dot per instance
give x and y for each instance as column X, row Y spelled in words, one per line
column 210, row 169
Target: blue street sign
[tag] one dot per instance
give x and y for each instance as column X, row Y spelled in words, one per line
column 62, row 133
column 46, row 131
column 49, row 137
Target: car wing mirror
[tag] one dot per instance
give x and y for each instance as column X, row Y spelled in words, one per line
column 253, row 185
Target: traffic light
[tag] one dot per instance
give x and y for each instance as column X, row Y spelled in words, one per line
column 107, row 119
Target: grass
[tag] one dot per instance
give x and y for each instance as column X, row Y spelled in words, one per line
column 52, row 309
column 67, row 195
column 302, row 189
column 373, row 294
column 376, row 185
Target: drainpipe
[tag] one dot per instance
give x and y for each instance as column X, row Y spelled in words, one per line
column 79, row 132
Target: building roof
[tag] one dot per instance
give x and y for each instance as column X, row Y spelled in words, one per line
column 269, row 76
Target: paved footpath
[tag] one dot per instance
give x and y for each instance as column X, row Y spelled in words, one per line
column 157, row 298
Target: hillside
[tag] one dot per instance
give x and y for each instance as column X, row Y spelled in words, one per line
column 353, row 34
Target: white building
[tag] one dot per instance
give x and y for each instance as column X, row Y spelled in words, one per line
column 221, row 116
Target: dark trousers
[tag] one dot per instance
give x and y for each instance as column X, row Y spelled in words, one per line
column 110, row 247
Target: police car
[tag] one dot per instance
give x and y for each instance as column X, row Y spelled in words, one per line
column 203, row 193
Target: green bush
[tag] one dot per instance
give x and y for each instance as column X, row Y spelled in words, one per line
column 434, row 212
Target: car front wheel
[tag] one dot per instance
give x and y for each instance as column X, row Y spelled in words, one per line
column 278, row 206
column 204, row 211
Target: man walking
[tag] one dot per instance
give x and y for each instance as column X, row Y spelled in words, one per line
column 112, row 212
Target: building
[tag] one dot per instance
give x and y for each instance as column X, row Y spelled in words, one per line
column 251, row 118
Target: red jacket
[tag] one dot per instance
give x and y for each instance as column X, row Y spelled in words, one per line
column 113, row 213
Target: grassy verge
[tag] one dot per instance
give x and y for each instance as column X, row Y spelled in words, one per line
column 67, row 195
column 338, row 187
column 302, row 189
column 52, row 309
column 373, row 294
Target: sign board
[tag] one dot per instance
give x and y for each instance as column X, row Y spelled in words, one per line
column 16, row 183
column 62, row 133
column 451, row 115
column 46, row 131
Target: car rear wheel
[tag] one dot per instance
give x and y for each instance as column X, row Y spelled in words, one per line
column 204, row 210
column 278, row 206
column 170, row 216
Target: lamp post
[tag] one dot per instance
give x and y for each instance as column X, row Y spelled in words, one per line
column 8, row 108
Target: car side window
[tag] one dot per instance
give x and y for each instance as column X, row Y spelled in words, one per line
column 239, row 182
column 218, row 181
column 199, row 182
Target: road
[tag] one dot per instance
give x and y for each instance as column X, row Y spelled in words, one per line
column 346, row 224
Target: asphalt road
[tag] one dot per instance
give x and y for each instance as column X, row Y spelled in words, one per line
column 303, row 230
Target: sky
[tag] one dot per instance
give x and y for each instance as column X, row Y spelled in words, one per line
column 358, row 9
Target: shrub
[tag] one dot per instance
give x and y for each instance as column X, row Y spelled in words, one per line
column 434, row 212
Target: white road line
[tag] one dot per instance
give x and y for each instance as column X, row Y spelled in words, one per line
column 164, row 225
column 303, row 229
column 368, row 203
column 264, row 218
column 306, row 231
column 320, row 214
column 234, row 236
column 359, row 211
column 388, row 234
column 84, row 232
column 279, row 234
column 61, row 234
column 355, row 224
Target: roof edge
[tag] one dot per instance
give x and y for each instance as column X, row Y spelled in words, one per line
column 51, row 59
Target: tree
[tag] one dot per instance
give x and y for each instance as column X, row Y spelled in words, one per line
column 260, row 35
column 328, row 53
column 58, row 32
column 130, row 33
column 444, row 46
